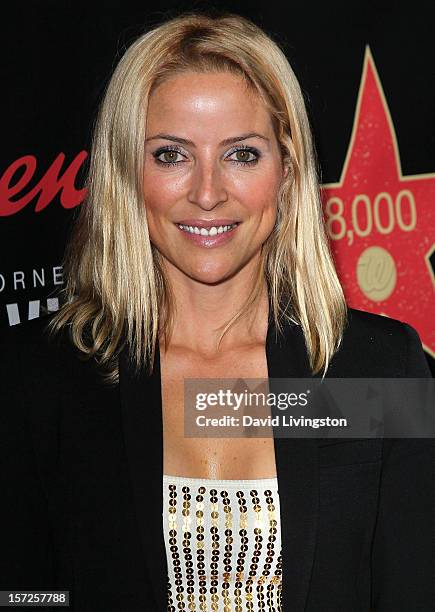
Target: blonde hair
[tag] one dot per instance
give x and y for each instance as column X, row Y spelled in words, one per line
column 115, row 288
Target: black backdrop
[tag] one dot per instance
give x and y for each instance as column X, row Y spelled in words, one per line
column 57, row 57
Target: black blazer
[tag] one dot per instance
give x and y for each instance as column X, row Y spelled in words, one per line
column 81, row 492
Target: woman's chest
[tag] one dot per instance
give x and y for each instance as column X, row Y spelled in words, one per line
column 335, row 501
column 212, row 457
column 107, row 493
column 178, row 365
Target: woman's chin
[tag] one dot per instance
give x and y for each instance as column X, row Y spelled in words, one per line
column 212, row 275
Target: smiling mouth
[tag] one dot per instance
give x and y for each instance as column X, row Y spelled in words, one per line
column 214, row 230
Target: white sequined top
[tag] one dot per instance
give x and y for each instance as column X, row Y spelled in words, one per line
column 223, row 544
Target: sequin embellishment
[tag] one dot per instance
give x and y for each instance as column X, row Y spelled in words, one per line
column 223, row 544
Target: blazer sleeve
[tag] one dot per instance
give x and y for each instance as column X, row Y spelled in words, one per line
column 26, row 552
column 403, row 551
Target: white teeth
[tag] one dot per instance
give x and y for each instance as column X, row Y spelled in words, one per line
column 212, row 231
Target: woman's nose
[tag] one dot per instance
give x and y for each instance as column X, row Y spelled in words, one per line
column 207, row 188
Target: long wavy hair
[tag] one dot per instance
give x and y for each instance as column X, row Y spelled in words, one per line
column 115, row 290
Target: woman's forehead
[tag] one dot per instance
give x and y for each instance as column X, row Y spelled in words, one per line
column 215, row 100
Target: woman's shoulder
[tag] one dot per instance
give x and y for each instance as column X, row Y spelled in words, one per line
column 379, row 329
column 378, row 326
column 377, row 345
column 28, row 332
column 30, row 354
column 31, row 339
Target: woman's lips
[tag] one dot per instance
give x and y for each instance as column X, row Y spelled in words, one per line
column 210, row 240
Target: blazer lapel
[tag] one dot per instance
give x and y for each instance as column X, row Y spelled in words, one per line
column 296, row 464
column 297, row 473
column 141, row 408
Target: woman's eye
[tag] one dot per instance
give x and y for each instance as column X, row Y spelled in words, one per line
column 246, row 156
column 167, row 157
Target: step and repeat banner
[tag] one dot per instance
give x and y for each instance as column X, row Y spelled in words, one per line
column 368, row 77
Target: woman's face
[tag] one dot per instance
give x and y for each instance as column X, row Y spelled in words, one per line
column 211, row 175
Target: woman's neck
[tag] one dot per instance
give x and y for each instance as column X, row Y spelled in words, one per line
column 202, row 311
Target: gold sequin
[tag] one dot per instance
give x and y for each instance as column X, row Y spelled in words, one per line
column 223, row 547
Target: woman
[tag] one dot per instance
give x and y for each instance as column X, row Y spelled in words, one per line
column 201, row 253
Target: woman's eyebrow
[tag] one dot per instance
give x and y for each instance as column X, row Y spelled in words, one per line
column 225, row 142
